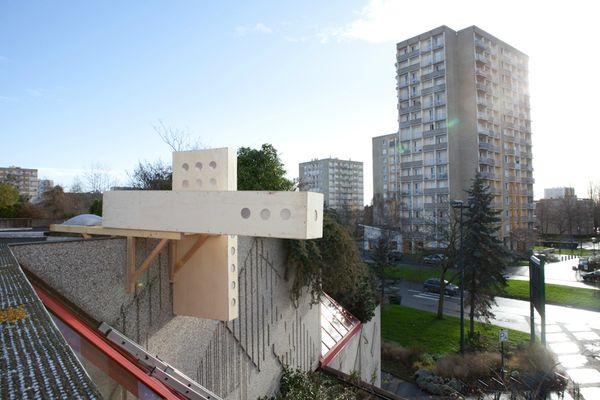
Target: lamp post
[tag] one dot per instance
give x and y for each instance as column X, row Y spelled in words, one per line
column 458, row 204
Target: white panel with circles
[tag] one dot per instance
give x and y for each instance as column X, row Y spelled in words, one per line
column 205, row 170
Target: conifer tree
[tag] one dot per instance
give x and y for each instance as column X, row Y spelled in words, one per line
column 484, row 253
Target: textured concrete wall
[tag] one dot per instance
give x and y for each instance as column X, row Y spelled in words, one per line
column 241, row 359
column 362, row 354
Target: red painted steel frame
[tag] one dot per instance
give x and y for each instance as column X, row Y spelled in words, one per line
column 68, row 318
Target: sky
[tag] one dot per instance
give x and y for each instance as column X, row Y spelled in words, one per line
column 85, row 84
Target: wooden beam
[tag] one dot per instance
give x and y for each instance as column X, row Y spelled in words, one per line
column 291, row 215
column 101, row 230
column 130, row 264
column 172, row 259
column 199, row 242
column 151, row 257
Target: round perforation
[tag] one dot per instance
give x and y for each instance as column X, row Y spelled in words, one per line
column 198, row 165
column 185, row 166
column 212, row 165
column 265, row 214
column 285, row 214
column 245, row 213
column 232, row 250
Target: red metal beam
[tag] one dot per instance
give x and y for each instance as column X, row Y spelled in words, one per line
column 99, row 342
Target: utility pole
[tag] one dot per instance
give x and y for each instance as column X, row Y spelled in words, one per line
column 460, row 205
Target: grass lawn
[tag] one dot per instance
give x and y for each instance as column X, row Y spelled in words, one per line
column 409, row 327
column 588, row 299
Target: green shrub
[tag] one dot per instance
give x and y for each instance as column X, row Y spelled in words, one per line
column 299, row 385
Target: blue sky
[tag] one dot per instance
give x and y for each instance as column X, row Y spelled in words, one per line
column 84, row 83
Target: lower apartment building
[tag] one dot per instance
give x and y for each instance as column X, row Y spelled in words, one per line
column 340, row 181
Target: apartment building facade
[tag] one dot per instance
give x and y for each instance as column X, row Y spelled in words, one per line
column 463, row 107
column 340, row 181
column 24, row 179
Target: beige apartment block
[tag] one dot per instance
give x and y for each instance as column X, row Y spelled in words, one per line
column 463, row 107
column 24, row 179
column 340, row 181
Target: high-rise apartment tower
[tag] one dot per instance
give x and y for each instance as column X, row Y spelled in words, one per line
column 463, row 106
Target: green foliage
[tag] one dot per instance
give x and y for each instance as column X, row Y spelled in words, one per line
column 299, row 385
column 9, row 195
column 152, row 176
column 96, row 207
column 261, row 170
column 484, row 253
column 332, row 264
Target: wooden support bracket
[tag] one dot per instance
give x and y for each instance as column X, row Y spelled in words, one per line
column 133, row 273
column 180, row 263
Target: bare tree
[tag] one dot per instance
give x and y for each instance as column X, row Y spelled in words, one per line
column 176, row 139
column 77, row 185
column 98, row 178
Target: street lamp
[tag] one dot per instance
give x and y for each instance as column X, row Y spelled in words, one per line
column 459, row 204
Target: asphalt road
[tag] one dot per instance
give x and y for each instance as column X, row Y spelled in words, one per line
column 509, row 313
column 559, row 273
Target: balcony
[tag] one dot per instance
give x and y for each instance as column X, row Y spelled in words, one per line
column 410, row 68
column 482, row 58
column 487, row 161
column 436, row 191
column 408, row 55
column 528, row 180
column 433, row 132
column 483, row 87
column 487, row 146
column 509, row 152
column 489, row 175
column 481, row 45
column 482, row 73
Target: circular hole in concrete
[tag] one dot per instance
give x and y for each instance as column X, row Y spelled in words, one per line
column 232, row 251
column 198, row 165
column 233, row 302
column 232, row 267
column 212, row 165
column 285, row 214
column 265, row 214
column 233, row 284
column 185, row 166
column 245, row 213
column 316, row 215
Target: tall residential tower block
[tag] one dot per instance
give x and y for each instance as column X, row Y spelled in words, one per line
column 463, row 107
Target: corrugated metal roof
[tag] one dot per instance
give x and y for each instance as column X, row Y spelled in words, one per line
column 35, row 360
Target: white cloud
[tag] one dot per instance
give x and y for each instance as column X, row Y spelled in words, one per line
column 243, row 30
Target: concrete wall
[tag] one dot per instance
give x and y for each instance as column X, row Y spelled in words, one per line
column 362, row 354
column 241, row 359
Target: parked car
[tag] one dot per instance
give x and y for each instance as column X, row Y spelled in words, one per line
column 592, row 276
column 395, row 256
column 433, row 285
column 434, row 259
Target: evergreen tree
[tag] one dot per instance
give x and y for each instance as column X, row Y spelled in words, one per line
column 484, row 253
